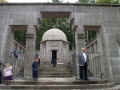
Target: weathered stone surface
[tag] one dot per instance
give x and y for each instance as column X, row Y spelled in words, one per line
column 29, row 51
column 106, row 16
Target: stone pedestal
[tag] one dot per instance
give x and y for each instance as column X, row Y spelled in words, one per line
column 30, row 51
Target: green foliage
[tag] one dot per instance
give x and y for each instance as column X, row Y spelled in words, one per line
column 60, row 23
column 56, row 1
column 20, row 36
column 115, row 1
column 108, row 1
column 83, row 1
column 100, row 1
column 104, row 1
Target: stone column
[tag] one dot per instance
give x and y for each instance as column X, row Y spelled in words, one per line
column 9, row 45
column 77, row 53
column 29, row 51
column 107, row 57
column 79, row 43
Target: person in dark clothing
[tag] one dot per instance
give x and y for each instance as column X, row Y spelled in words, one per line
column 83, row 64
column 39, row 60
column 15, row 53
column 1, row 77
column 35, row 69
column 53, row 61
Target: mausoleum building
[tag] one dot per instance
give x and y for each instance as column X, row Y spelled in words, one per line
column 54, row 42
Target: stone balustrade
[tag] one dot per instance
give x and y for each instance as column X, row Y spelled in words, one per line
column 17, row 61
column 95, row 60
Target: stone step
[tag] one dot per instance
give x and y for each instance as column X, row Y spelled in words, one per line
column 55, row 87
column 59, row 71
column 49, row 69
column 55, row 74
column 58, row 84
column 59, row 67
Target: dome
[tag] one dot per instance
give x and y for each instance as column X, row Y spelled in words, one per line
column 54, row 34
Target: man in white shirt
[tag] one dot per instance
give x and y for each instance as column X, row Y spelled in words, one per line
column 83, row 63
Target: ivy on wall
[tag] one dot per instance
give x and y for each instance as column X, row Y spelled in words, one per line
column 20, row 36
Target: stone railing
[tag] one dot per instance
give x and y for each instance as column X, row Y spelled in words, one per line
column 95, row 60
column 17, row 60
column 95, row 64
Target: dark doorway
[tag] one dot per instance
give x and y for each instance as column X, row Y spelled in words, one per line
column 54, row 54
column 54, row 58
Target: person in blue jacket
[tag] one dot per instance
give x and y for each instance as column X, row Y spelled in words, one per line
column 35, row 68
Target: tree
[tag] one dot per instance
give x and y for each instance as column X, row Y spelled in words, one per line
column 115, row 1
column 104, row 1
column 61, row 23
column 84, row 1
column 20, row 36
column 100, row 1
column 56, row 1
column 92, row 1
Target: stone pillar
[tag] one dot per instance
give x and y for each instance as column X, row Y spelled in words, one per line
column 4, row 38
column 79, row 43
column 29, row 51
column 77, row 53
column 107, row 57
column 9, row 45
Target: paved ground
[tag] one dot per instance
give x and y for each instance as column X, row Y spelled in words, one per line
column 51, row 79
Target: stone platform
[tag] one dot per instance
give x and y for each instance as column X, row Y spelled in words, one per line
column 59, row 84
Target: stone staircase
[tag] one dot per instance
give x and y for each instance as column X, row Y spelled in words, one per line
column 59, row 84
column 61, row 70
column 58, row 78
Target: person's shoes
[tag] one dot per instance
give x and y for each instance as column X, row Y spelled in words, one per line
column 35, row 79
column 86, row 78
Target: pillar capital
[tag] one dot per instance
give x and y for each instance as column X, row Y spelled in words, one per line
column 30, row 31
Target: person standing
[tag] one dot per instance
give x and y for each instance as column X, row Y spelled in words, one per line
column 39, row 60
column 83, row 64
column 20, row 53
column 7, row 73
column 35, row 69
column 53, row 61
column 1, row 73
column 15, row 53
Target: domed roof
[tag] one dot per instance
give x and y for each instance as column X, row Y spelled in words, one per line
column 54, row 34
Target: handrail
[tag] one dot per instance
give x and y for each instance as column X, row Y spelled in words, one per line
column 91, row 43
column 95, row 64
column 19, row 61
column 19, row 44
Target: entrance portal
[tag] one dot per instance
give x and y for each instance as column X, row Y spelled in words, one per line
column 54, row 54
column 54, row 58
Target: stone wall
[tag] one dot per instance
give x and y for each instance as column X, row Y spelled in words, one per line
column 107, row 16
column 108, row 19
